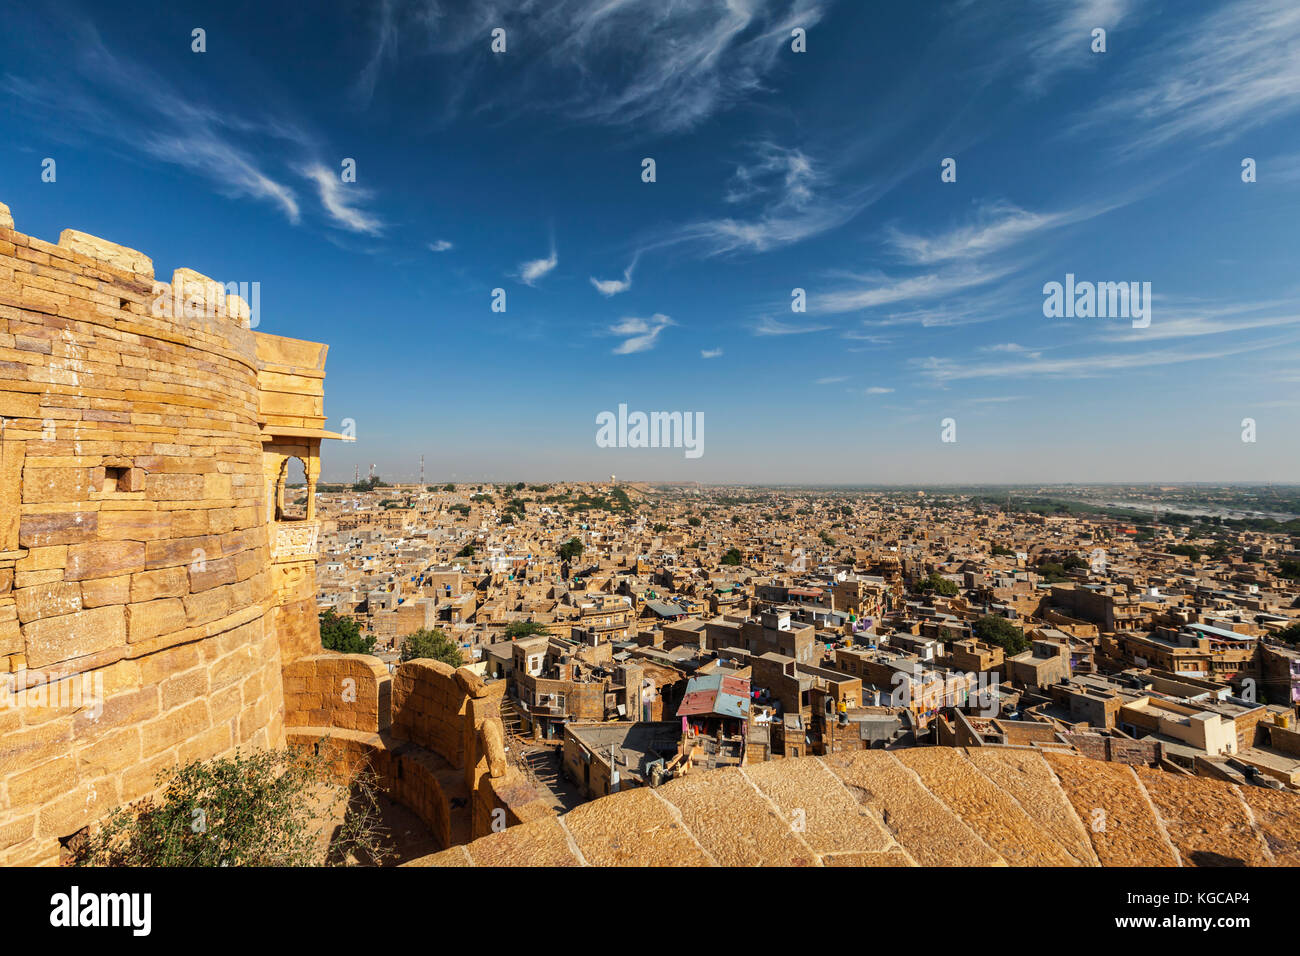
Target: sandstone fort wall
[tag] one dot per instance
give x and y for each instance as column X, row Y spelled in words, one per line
column 134, row 566
column 157, row 604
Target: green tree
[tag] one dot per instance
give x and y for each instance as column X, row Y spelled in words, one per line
column 938, row 584
column 434, row 644
column 693, row 521
column 343, row 634
column 1290, row 634
column 517, row 629
column 258, row 809
column 732, row 557
column 466, row 552
column 1053, row 572
column 570, row 549
column 449, row 487
column 992, row 629
column 1001, row 551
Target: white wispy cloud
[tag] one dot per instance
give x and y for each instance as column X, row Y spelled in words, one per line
column 639, row 335
column 1062, row 36
column 997, row 226
column 440, row 245
column 340, row 200
column 1011, row 347
column 102, row 95
column 767, row 325
column 831, row 380
column 241, row 153
column 534, row 269
column 793, row 200
column 871, row 291
column 387, row 34
column 943, row 370
column 1211, row 78
column 1283, row 169
column 612, row 287
column 663, row 67
column 856, row 335
column 1193, row 322
column 878, row 390
column 710, row 353
column 232, row 170
column 788, row 172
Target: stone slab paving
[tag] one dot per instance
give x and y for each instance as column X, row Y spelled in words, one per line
column 921, row 823
column 1278, row 820
column 710, row 803
column 810, row 796
column 1024, row 775
column 1121, row 822
column 1208, row 825
column 927, row 806
column 984, row 807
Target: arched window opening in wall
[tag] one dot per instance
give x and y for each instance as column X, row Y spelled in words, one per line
column 293, row 476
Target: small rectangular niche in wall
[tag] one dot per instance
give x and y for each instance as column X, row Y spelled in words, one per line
column 113, row 477
column 120, row 478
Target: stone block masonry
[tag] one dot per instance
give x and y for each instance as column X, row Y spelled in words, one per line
column 138, row 590
column 432, row 736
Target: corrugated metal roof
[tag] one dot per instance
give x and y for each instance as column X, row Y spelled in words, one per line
column 704, row 682
column 664, row 609
column 716, row 694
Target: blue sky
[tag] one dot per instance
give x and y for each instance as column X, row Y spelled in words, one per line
column 819, row 170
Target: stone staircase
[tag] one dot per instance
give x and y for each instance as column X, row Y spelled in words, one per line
column 510, row 718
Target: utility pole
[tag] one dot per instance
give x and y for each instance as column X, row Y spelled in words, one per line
column 356, row 475
column 421, row 472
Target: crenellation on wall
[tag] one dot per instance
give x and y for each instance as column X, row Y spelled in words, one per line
column 110, row 253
